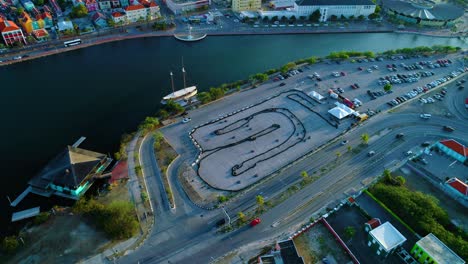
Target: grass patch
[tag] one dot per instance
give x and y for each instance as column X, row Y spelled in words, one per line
column 165, row 154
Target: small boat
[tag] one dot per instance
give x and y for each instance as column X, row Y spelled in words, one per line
column 183, row 96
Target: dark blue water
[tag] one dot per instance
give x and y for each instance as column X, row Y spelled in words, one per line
column 104, row 91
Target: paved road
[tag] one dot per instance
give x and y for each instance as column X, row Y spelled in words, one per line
column 187, row 234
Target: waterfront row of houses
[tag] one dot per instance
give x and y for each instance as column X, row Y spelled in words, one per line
column 36, row 23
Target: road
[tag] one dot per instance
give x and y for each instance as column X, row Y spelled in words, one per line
column 188, row 233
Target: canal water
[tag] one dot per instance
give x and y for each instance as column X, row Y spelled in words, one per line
column 104, row 91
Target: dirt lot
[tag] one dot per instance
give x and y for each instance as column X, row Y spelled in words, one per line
column 456, row 211
column 317, row 244
column 65, row 237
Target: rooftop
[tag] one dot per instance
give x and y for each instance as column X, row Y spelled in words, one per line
column 289, row 253
column 387, row 236
column 455, row 146
column 374, row 222
column 439, row 252
column 134, row 7
column 7, row 25
column 334, row 2
column 68, row 169
column 458, row 185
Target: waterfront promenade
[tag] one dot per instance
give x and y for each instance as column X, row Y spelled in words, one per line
column 224, row 27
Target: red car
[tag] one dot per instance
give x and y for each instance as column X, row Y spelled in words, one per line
column 255, row 222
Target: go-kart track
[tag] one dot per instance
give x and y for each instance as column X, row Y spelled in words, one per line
column 245, row 146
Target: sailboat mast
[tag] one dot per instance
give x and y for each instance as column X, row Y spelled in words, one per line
column 172, row 83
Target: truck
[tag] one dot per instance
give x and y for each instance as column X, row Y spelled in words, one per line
column 255, row 222
column 348, row 103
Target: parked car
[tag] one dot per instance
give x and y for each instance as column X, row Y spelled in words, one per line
column 400, row 135
column 425, row 116
column 448, row 128
column 344, row 142
column 186, row 120
column 425, row 144
column 371, row 153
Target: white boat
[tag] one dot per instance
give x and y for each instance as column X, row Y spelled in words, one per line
column 183, row 96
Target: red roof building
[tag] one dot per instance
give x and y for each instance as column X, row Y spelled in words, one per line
column 455, row 146
column 40, row 34
column 459, row 186
column 11, row 33
column 372, row 224
column 454, row 149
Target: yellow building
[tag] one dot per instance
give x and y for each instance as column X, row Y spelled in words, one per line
column 246, row 5
column 28, row 24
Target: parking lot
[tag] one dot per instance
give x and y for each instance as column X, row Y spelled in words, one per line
column 328, row 82
column 253, row 142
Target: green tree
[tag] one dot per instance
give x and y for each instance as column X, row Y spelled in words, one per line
column 10, row 244
column 222, row 199
column 204, row 97
column 19, row 11
column 365, row 138
column 342, row 17
column 387, row 87
column 350, row 231
column 216, row 93
column 400, row 180
column 287, row 67
column 79, row 11
column 173, row 107
column 260, row 200
column 148, row 124
column 163, row 114
column 39, row 2
column 333, row 18
column 311, row 60
column 338, row 154
column 349, row 148
column 315, row 16
column 119, row 220
column 361, row 17
column 242, row 217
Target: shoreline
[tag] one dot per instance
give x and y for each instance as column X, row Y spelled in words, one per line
column 170, row 33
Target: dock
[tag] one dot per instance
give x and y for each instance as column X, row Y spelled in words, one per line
column 78, row 142
column 25, row 214
column 21, row 197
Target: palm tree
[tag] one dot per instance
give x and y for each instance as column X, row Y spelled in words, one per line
column 260, row 200
column 349, row 148
column 338, row 155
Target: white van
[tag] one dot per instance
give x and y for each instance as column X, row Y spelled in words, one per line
column 425, row 116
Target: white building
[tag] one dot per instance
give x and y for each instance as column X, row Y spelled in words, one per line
column 327, row 9
column 135, row 13
column 181, row 6
column 245, row 5
column 119, row 18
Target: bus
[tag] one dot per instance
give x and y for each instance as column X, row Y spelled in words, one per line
column 72, row 42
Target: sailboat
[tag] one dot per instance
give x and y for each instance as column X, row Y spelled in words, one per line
column 182, row 96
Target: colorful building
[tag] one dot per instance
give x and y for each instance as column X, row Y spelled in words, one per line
column 99, row 19
column 119, row 18
column 372, row 224
column 385, row 239
column 177, row 6
column 454, row 149
column 91, row 5
column 246, row 5
column 46, row 18
column 41, row 34
column 152, row 9
column 104, row 4
column 11, row 33
column 115, row 3
column 124, row 3
column 29, row 24
column 28, row 5
column 135, row 13
column 430, row 249
column 70, row 174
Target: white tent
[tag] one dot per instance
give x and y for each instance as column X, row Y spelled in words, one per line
column 338, row 112
column 316, row 96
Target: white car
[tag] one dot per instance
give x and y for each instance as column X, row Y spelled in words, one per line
column 425, row 116
column 186, row 120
